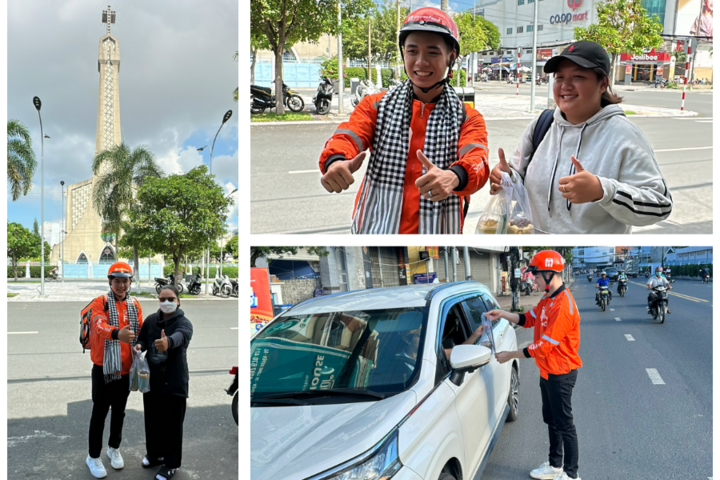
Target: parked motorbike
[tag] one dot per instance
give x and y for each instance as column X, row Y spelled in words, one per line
column 604, row 297
column 622, row 287
column 195, row 284
column 233, row 392
column 662, row 83
column 528, row 286
column 364, row 88
column 262, row 99
column 658, row 308
column 161, row 282
column 323, row 97
column 222, row 286
column 234, row 284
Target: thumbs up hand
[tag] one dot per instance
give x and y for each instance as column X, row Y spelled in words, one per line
column 125, row 334
column 436, row 184
column 495, row 175
column 583, row 187
column 339, row 176
column 162, row 343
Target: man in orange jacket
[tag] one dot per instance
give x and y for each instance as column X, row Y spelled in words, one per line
column 555, row 349
column 116, row 322
column 429, row 150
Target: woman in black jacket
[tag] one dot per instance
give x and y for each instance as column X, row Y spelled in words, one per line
column 165, row 335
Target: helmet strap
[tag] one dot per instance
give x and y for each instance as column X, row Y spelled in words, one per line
column 547, row 279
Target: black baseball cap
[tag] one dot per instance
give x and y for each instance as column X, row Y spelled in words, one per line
column 585, row 53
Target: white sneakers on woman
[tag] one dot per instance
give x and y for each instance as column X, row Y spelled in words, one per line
column 546, row 471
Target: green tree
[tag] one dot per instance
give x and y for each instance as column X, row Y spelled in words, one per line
column 21, row 163
column 36, row 228
column 623, row 26
column 232, row 247
column 383, row 36
column 20, row 243
column 492, row 34
column 121, row 172
column 286, row 22
column 262, row 252
column 177, row 214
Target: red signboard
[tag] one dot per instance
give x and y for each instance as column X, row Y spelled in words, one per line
column 544, row 54
column 261, row 310
column 574, row 4
column 651, row 56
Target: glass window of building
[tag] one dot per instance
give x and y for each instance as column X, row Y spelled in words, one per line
column 656, row 7
column 519, row 29
column 521, row 2
column 530, row 28
column 509, row 30
column 540, row 26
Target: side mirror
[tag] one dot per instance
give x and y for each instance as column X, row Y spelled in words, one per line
column 467, row 359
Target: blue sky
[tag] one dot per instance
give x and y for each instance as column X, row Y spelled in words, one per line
column 177, row 77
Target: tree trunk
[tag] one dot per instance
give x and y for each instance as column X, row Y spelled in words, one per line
column 252, row 66
column 136, row 266
column 279, row 107
column 613, row 71
column 14, row 261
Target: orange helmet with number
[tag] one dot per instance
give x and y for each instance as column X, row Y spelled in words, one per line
column 547, row 261
column 120, row 269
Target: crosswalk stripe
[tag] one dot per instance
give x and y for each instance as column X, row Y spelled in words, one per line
column 617, row 319
column 655, row 377
column 629, row 337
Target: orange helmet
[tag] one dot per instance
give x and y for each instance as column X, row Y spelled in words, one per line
column 120, row 269
column 547, row 261
column 430, row 19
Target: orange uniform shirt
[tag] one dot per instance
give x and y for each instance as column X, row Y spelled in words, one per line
column 357, row 134
column 102, row 331
column 557, row 333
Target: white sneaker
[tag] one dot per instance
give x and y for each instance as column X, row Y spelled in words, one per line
column 545, row 471
column 564, row 476
column 116, row 459
column 96, row 467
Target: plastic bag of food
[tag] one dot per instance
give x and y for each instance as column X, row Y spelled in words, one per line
column 493, row 219
column 520, row 218
column 139, row 374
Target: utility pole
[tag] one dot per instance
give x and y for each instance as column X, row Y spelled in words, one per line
column 447, row 273
column 534, row 56
column 341, row 80
column 454, row 267
column 369, row 47
column 514, row 258
column 466, row 257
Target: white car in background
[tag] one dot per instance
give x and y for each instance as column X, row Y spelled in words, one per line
column 357, row 386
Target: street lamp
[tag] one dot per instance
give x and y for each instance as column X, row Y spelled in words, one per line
column 62, row 232
column 38, row 105
column 221, row 242
column 226, row 117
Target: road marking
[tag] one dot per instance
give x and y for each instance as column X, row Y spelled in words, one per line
column 21, row 333
column 617, row 319
column 293, row 172
column 233, row 328
column 629, row 337
column 703, row 121
column 612, row 309
column 654, row 376
column 682, row 149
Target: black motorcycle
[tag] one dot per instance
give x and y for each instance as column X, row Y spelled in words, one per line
column 161, row 282
column 234, row 284
column 604, row 297
column 660, row 82
column 195, row 284
column 262, row 99
column 622, row 287
column 323, row 97
column 589, row 276
column 233, row 392
column 659, row 305
column 706, row 278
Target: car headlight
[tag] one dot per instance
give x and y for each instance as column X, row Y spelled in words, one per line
column 382, row 465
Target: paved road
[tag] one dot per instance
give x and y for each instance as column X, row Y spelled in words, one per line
column 287, row 196
column 49, row 401
column 627, row 426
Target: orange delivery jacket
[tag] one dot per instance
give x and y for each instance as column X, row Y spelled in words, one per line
column 357, row 134
column 102, row 331
column 557, row 333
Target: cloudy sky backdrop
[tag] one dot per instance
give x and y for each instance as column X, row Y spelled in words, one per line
column 177, row 77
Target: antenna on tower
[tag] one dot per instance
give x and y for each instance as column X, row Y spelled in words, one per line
column 108, row 17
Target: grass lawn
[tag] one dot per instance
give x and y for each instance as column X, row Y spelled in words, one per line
column 286, row 117
column 9, row 295
column 630, row 112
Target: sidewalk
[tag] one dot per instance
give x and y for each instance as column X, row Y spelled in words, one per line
column 491, row 106
column 85, row 291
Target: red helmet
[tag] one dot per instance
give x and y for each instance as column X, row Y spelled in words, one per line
column 120, row 269
column 430, row 19
column 547, row 261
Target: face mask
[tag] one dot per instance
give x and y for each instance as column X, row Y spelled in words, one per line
column 657, row 274
column 168, row 307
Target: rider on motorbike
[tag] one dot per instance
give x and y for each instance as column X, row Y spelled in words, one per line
column 603, row 281
column 621, row 277
column 527, row 276
column 657, row 280
column 705, row 272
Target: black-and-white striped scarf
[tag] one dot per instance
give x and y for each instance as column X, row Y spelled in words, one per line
column 112, row 360
column 380, row 204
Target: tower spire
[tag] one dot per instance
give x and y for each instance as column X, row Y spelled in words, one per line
column 108, row 17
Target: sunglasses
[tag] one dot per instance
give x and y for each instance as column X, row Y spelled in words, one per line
column 167, row 299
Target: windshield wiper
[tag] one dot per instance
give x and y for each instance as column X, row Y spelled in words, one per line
column 325, row 393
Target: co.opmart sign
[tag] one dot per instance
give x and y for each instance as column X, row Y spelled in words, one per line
column 565, row 18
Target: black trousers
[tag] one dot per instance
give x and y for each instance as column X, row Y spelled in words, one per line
column 106, row 396
column 164, row 417
column 557, row 414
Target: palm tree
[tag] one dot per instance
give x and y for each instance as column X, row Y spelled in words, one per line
column 21, row 163
column 120, row 173
column 235, row 57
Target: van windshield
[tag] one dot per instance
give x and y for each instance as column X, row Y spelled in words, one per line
column 376, row 350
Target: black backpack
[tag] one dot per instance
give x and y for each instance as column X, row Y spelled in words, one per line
column 541, row 128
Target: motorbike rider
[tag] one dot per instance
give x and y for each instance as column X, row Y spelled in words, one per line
column 621, row 277
column 705, row 272
column 667, row 272
column 603, row 281
column 429, row 149
column 655, row 281
column 527, row 274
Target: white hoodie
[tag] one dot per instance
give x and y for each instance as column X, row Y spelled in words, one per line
column 608, row 146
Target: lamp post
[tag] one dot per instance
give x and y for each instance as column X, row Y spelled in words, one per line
column 226, row 117
column 221, row 242
column 62, row 232
column 38, row 105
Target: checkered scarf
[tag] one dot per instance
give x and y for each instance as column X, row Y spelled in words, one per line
column 380, row 204
column 112, row 361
